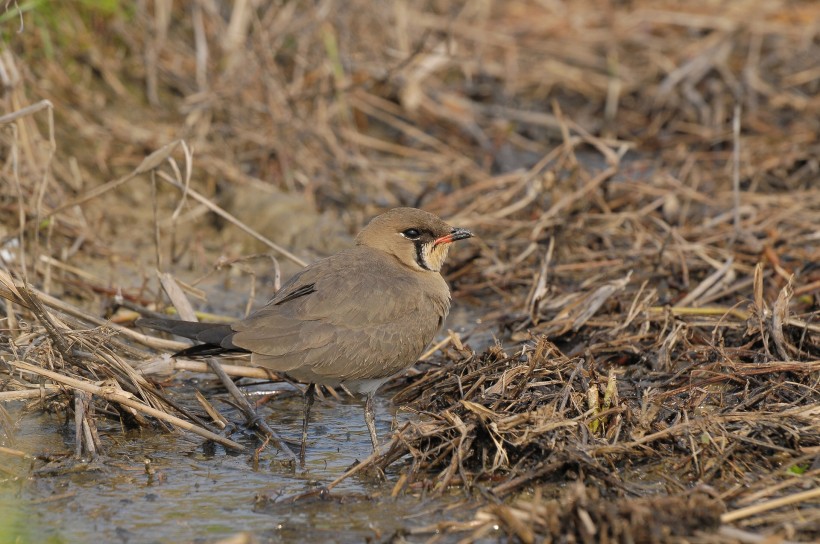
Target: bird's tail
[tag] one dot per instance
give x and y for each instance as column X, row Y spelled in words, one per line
column 215, row 338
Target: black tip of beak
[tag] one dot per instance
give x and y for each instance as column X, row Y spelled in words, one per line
column 460, row 234
column 455, row 234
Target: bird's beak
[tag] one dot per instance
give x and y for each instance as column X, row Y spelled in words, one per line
column 455, row 234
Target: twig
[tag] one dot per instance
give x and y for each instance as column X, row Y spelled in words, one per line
column 110, row 394
column 747, row 511
column 9, row 289
column 254, row 419
column 227, row 216
column 736, row 172
column 325, row 489
column 149, row 163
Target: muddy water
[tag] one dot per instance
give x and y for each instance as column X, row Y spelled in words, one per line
column 202, row 494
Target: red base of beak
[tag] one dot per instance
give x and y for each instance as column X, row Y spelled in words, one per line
column 456, row 234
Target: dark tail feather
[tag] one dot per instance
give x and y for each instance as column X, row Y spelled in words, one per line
column 207, row 350
column 215, row 337
column 211, row 333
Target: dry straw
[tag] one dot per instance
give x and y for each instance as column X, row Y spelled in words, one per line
column 643, row 177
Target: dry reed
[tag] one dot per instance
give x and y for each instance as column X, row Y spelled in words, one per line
column 643, row 176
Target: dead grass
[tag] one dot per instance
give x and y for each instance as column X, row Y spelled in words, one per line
column 643, row 176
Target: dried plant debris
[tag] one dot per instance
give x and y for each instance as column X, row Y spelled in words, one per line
column 507, row 416
column 580, row 515
column 500, row 424
column 642, row 176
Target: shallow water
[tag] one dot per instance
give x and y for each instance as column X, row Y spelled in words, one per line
column 201, row 494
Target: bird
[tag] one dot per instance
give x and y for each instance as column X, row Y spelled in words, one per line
column 355, row 318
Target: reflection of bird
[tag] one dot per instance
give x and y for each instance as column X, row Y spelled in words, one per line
column 355, row 318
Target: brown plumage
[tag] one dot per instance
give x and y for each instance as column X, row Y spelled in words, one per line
column 355, row 318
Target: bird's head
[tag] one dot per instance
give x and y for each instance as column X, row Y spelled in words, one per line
column 418, row 239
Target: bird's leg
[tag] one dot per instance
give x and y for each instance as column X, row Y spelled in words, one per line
column 370, row 419
column 308, row 403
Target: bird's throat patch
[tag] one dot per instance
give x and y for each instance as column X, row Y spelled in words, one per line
column 432, row 256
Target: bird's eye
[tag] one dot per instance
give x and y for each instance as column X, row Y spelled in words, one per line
column 412, row 234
